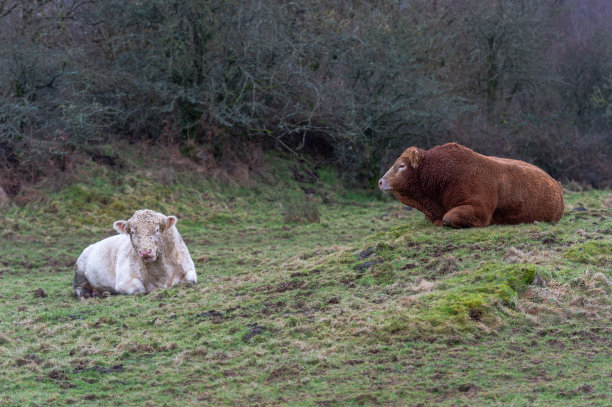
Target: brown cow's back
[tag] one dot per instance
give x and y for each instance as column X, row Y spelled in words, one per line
column 526, row 194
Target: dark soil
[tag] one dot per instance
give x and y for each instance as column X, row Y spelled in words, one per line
column 102, row 369
column 39, row 293
column 215, row 316
column 367, row 265
column 366, row 253
column 254, row 330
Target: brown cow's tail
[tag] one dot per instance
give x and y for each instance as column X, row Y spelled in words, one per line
column 80, row 284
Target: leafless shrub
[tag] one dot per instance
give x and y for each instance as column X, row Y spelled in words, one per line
column 355, row 81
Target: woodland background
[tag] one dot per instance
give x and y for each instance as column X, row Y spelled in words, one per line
column 349, row 82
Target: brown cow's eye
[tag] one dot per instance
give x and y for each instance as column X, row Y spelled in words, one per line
column 401, row 166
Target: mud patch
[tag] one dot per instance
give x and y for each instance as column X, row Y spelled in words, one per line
column 585, row 389
column 283, row 373
column 4, row 339
column 475, row 314
column 28, row 359
column 441, row 266
column 289, row 286
column 549, row 240
column 366, row 400
column 103, row 321
column 468, row 388
column 215, row 316
column 367, row 265
column 39, row 293
column 438, row 251
column 102, row 369
column 408, row 266
column 283, row 286
column 253, row 331
column 57, row 375
column 367, row 253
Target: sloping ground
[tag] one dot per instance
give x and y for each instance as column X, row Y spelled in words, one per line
column 362, row 303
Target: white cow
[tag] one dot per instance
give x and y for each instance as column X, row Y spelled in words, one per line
column 148, row 253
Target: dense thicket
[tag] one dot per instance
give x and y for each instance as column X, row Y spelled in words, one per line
column 353, row 81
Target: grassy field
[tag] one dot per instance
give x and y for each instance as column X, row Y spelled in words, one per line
column 308, row 294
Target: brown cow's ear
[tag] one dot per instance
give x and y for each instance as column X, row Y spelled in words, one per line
column 121, row 226
column 414, row 156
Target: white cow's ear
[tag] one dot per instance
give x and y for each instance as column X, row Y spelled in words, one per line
column 121, row 226
column 170, row 221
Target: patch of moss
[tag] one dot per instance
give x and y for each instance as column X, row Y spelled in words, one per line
column 398, row 231
column 597, row 253
column 465, row 299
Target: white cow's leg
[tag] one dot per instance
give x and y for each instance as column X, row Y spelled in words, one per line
column 191, row 277
column 183, row 274
column 128, row 278
column 131, row 286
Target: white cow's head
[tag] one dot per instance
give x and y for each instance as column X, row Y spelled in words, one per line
column 146, row 229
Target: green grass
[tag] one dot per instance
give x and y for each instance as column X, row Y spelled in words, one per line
column 308, row 294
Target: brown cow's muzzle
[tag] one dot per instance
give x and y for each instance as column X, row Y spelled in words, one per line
column 383, row 185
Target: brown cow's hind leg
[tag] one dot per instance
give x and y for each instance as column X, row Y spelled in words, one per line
column 466, row 216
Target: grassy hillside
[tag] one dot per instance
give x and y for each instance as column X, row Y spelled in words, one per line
column 308, row 294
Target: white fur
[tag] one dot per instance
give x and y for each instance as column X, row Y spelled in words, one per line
column 113, row 265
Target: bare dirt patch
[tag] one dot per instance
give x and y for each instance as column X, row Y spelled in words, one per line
column 284, row 373
column 367, row 265
column 254, row 330
column 101, row 369
column 39, row 293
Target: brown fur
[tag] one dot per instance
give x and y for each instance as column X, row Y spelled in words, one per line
column 455, row 186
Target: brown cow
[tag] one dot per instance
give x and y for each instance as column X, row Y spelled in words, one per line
column 455, row 186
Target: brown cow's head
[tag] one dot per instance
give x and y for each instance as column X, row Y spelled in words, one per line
column 402, row 175
column 146, row 229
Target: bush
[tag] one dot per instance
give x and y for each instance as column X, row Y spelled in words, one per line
column 354, row 81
